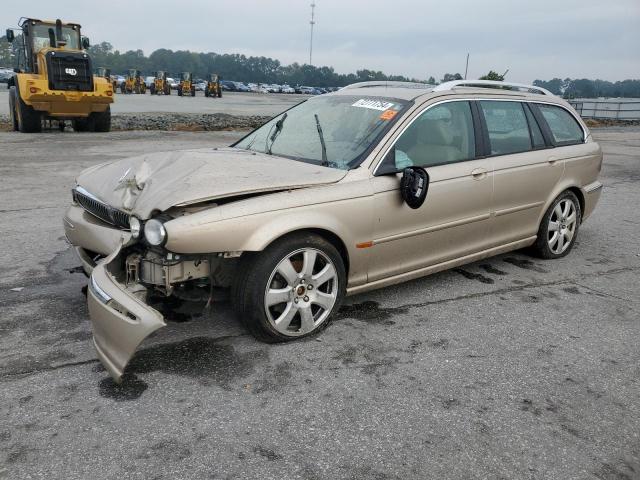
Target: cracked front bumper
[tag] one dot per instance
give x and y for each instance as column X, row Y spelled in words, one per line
column 121, row 321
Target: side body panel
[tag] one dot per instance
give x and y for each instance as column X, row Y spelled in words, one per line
column 453, row 221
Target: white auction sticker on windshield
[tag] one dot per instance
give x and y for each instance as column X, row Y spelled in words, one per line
column 373, row 104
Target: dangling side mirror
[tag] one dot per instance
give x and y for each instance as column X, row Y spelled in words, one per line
column 10, row 35
column 85, row 43
column 414, row 186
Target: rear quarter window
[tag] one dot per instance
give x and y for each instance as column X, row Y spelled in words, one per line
column 564, row 128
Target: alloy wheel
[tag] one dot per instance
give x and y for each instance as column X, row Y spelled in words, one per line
column 301, row 292
column 562, row 226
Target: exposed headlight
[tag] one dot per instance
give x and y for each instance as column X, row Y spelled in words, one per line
column 135, row 226
column 154, row 232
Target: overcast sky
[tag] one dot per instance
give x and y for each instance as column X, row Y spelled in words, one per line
column 534, row 39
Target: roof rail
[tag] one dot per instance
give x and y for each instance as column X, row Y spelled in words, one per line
column 491, row 84
column 385, row 83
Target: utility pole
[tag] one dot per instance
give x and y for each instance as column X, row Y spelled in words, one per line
column 312, row 23
column 466, row 69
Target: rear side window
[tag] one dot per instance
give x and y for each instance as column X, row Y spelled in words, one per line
column 507, row 126
column 536, row 133
column 564, row 128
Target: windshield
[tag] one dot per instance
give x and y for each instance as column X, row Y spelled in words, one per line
column 335, row 131
column 41, row 37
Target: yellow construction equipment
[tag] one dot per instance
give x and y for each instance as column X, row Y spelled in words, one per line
column 133, row 83
column 54, row 79
column 186, row 86
column 213, row 88
column 160, row 84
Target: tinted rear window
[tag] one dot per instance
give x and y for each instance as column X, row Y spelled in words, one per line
column 564, row 128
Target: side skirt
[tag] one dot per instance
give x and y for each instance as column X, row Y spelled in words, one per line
column 439, row 267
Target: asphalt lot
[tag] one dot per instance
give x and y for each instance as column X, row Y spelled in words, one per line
column 510, row 368
column 233, row 103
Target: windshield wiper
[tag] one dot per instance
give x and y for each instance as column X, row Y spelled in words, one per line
column 325, row 161
column 278, row 129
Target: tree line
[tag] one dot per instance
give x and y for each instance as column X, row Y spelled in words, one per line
column 242, row 68
column 585, row 88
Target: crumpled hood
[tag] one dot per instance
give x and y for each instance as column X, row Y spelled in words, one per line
column 158, row 181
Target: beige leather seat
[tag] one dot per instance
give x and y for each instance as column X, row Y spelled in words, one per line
column 430, row 143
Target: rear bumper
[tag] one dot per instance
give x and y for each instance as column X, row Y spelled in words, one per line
column 591, row 195
column 121, row 321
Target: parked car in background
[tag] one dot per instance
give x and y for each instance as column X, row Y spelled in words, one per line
column 172, row 83
column 150, row 80
column 258, row 88
column 309, row 91
column 200, row 86
column 241, row 87
column 374, row 185
column 287, row 89
column 228, row 86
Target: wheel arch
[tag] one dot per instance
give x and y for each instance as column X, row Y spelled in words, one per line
column 567, row 187
column 578, row 193
column 331, row 237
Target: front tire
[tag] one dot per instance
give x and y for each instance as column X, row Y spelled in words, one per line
column 559, row 227
column 12, row 109
column 291, row 289
column 29, row 120
column 102, row 121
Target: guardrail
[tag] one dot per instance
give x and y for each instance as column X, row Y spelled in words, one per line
column 607, row 109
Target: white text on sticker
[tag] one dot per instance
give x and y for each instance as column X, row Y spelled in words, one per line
column 373, row 104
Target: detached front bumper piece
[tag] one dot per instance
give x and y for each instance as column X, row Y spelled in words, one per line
column 121, row 320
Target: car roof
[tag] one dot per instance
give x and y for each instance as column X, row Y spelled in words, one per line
column 411, row 91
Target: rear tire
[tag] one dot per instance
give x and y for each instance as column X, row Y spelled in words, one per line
column 559, row 227
column 179, row 91
column 193, row 91
column 29, row 120
column 84, row 124
column 152, row 90
column 219, row 92
column 167, row 90
column 102, row 121
column 206, row 91
column 303, row 303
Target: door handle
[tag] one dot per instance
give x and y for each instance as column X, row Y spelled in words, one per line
column 552, row 160
column 479, row 173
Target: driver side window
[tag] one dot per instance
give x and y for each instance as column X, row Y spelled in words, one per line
column 442, row 134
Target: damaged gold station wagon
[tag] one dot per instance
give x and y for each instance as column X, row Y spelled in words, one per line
column 375, row 184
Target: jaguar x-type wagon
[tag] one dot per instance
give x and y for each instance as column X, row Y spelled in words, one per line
column 375, row 184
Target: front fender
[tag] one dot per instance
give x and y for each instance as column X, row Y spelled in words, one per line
column 350, row 220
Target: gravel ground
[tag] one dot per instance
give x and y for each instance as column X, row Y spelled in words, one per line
column 509, row 368
column 190, row 122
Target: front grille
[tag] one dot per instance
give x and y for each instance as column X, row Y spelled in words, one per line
column 99, row 209
column 70, row 71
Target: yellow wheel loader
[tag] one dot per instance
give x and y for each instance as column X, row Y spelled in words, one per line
column 213, row 88
column 133, row 83
column 186, row 86
column 54, row 79
column 160, row 84
column 105, row 73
